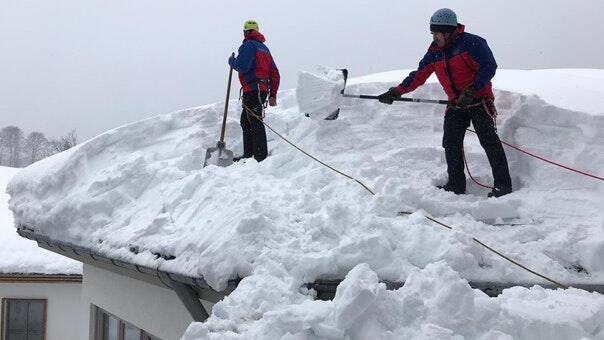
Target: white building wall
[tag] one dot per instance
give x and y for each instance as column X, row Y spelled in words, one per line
column 63, row 314
column 156, row 310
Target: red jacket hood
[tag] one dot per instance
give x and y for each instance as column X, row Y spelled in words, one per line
column 255, row 35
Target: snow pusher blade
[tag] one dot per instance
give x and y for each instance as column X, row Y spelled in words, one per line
column 220, row 155
column 320, row 94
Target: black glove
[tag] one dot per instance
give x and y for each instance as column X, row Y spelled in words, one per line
column 388, row 96
column 467, row 96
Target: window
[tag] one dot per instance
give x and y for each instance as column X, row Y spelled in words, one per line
column 23, row 319
column 109, row 327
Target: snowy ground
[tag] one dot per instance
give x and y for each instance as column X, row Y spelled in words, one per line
column 23, row 256
column 288, row 220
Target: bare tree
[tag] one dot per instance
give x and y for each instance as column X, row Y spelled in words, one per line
column 36, row 147
column 17, row 151
column 70, row 139
column 65, row 142
column 12, row 139
column 3, row 149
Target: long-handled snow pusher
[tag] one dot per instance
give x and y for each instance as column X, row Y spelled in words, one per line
column 333, row 83
column 401, row 99
column 220, row 155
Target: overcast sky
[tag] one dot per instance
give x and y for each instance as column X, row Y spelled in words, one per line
column 93, row 65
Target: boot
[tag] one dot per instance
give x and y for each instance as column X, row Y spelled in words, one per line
column 498, row 192
column 453, row 189
column 238, row 158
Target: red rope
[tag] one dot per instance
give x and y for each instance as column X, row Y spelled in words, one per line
column 470, row 174
column 545, row 160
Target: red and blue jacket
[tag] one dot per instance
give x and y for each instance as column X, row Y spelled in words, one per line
column 256, row 67
column 466, row 60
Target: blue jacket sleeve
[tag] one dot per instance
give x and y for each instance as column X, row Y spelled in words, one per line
column 481, row 53
column 275, row 78
column 246, row 55
column 417, row 77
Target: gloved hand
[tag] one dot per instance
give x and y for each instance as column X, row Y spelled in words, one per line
column 467, row 96
column 231, row 59
column 272, row 101
column 388, row 96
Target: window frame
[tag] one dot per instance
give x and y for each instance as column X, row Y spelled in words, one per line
column 4, row 315
column 99, row 329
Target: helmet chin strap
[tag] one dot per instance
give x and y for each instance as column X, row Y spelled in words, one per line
column 447, row 37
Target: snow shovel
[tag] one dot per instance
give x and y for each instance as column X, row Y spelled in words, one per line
column 220, row 155
column 333, row 114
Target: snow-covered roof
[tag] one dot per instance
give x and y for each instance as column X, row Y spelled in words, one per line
column 288, row 220
column 22, row 256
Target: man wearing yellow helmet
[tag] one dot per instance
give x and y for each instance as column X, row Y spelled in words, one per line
column 250, row 25
column 259, row 77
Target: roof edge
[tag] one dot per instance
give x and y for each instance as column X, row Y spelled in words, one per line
column 40, row 278
column 325, row 288
column 150, row 275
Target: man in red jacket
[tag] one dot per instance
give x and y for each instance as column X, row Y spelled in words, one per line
column 259, row 78
column 464, row 66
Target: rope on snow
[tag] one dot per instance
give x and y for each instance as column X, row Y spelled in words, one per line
column 251, row 113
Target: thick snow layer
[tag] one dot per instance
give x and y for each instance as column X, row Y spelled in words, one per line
column 289, row 220
column 22, row 256
column 435, row 303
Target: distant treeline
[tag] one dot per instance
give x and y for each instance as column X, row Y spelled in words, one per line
column 18, row 150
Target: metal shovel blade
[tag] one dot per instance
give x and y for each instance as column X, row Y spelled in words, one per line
column 219, row 156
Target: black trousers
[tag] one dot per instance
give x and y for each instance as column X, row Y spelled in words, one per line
column 254, row 134
column 456, row 123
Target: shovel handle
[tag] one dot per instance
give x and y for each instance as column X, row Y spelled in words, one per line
column 402, row 99
column 226, row 104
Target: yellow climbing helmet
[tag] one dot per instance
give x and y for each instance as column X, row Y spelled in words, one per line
column 250, row 25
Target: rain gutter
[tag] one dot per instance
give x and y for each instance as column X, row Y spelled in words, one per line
column 188, row 289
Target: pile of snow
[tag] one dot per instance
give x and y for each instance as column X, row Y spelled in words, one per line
column 22, row 256
column 288, row 220
column 434, row 303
